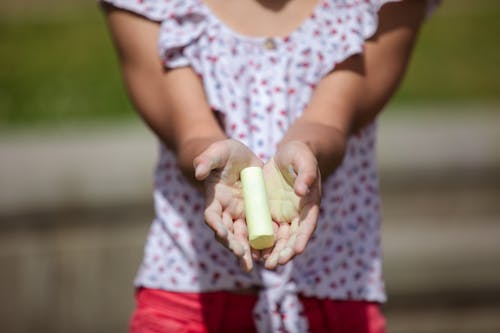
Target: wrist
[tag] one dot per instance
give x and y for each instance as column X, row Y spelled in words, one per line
column 326, row 143
column 190, row 148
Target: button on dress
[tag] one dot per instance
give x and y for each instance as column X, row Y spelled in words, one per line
column 257, row 87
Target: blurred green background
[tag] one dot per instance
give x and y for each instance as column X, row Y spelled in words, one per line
column 59, row 66
column 76, row 168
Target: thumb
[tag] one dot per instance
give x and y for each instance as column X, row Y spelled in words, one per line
column 307, row 174
column 214, row 157
column 298, row 162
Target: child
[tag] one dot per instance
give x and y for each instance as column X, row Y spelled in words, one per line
column 290, row 85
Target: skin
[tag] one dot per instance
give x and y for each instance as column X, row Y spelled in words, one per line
column 274, row 18
column 174, row 106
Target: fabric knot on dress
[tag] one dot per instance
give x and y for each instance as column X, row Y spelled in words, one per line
column 257, row 87
column 278, row 308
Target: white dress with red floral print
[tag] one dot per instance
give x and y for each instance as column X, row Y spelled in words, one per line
column 258, row 86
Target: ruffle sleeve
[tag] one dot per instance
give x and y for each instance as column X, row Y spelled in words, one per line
column 151, row 9
column 182, row 22
column 344, row 33
column 185, row 24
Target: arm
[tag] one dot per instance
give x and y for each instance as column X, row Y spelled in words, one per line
column 171, row 102
column 347, row 99
column 354, row 93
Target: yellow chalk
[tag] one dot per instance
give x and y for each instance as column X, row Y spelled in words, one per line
column 258, row 217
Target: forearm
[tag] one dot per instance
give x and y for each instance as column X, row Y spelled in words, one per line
column 172, row 103
column 181, row 116
column 386, row 57
column 326, row 123
column 327, row 143
column 352, row 95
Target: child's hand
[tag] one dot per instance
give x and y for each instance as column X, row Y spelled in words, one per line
column 219, row 166
column 293, row 186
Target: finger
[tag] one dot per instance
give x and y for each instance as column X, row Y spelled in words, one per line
column 256, row 254
column 282, row 237
column 246, row 261
column 309, row 217
column 227, row 220
column 214, row 157
column 288, row 252
column 235, row 242
column 236, row 207
column 235, row 246
column 301, row 230
column 264, row 255
column 213, row 218
column 240, row 230
column 306, row 168
column 303, row 164
column 232, row 243
column 223, row 241
column 241, row 234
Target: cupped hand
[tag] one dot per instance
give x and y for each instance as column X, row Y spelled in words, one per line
column 219, row 166
column 293, row 185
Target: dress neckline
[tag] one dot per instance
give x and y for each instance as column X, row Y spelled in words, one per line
column 259, row 39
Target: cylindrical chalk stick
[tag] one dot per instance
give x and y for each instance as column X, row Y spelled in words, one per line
column 259, row 223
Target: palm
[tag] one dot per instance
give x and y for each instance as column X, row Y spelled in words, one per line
column 225, row 194
column 294, row 216
column 220, row 166
column 283, row 202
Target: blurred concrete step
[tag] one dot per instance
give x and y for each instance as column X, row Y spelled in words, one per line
column 88, row 167
column 74, row 271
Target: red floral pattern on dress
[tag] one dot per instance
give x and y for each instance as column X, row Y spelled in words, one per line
column 258, row 87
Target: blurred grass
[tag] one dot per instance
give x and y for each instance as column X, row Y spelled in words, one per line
column 457, row 58
column 59, row 68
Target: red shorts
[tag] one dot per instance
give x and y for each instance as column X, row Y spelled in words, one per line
column 160, row 311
